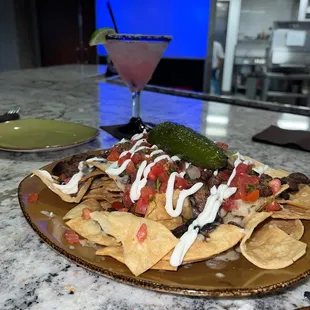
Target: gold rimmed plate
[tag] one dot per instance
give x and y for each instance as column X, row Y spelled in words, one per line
column 213, row 278
column 35, row 135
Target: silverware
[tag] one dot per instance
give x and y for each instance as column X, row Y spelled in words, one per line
column 10, row 115
column 13, row 111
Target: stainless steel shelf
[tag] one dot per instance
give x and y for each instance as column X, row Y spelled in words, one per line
column 286, row 94
column 289, row 76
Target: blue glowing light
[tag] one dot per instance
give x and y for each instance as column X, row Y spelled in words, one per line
column 186, row 21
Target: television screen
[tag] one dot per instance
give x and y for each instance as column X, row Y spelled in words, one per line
column 186, row 21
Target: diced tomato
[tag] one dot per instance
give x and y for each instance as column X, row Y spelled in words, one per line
column 180, row 183
column 71, row 236
column 274, row 206
column 222, row 145
column 163, row 187
column 117, row 205
column 130, row 168
column 142, row 233
column 141, row 206
column 126, row 199
column 229, row 205
column 86, row 213
column 32, row 197
column 151, row 176
column 123, row 210
column 137, row 158
column 275, row 185
column 157, row 169
column 113, row 156
column 251, row 196
column 222, row 175
column 67, row 180
column 123, row 158
column 163, row 176
column 245, row 181
column 241, row 169
column 147, row 193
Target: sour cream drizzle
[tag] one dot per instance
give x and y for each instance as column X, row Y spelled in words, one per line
column 208, row 215
column 134, row 190
column 261, row 169
column 72, row 186
column 183, row 194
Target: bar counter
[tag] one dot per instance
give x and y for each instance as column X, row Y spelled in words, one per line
column 33, row 276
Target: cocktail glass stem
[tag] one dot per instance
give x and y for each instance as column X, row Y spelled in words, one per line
column 135, row 103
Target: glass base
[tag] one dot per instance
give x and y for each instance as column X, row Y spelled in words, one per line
column 135, row 125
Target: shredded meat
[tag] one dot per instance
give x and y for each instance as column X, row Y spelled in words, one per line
column 69, row 167
column 200, row 198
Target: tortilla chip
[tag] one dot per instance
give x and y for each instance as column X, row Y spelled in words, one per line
column 156, row 211
column 291, row 213
column 118, row 254
column 173, row 223
column 301, row 199
column 293, row 228
column 139, row 257
column 104, row 182
column 103, row 167
column 105, row 205
column 274, row 173
column 91, row 230
column 224, row 237
column 269, row 247
column 103, row 194
column 277, row 173
column 77, row 210
column 65, row 197
column 93, row 174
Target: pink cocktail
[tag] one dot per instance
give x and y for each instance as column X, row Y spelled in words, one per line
column 135, row 58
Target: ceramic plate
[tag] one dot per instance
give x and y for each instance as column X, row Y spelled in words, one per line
column 241, row 278
column 33, row 135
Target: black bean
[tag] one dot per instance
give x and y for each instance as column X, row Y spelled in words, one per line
column 265, row 177
column 180, row 230
column 285, row 195
column 292, row 185
column 205, row 174
column 214, row 181
column 264, row 191
column 299, row 178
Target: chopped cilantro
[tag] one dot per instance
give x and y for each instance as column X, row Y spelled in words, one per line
column 265, row 182
column 250, row 188
column 144, row 151
column 172, row 170
column 158, row 183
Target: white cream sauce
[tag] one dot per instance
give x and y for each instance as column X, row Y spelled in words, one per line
column 208, row 215
column 134, row 190
column 72, row 186
column 261, row 169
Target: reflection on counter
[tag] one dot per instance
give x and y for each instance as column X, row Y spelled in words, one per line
column 293, row 122
column 215, row 120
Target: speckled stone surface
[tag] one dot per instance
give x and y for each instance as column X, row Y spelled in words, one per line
column 32, row 276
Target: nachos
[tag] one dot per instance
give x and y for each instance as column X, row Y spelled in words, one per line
column 151, row 209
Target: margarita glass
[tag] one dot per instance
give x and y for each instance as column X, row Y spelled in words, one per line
column 135, row 58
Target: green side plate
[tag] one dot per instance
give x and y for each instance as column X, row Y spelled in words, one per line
column 34, row 135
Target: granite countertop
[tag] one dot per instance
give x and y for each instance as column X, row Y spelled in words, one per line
column 35, row 277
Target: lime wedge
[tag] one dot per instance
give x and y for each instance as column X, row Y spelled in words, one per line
column 99, row 36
